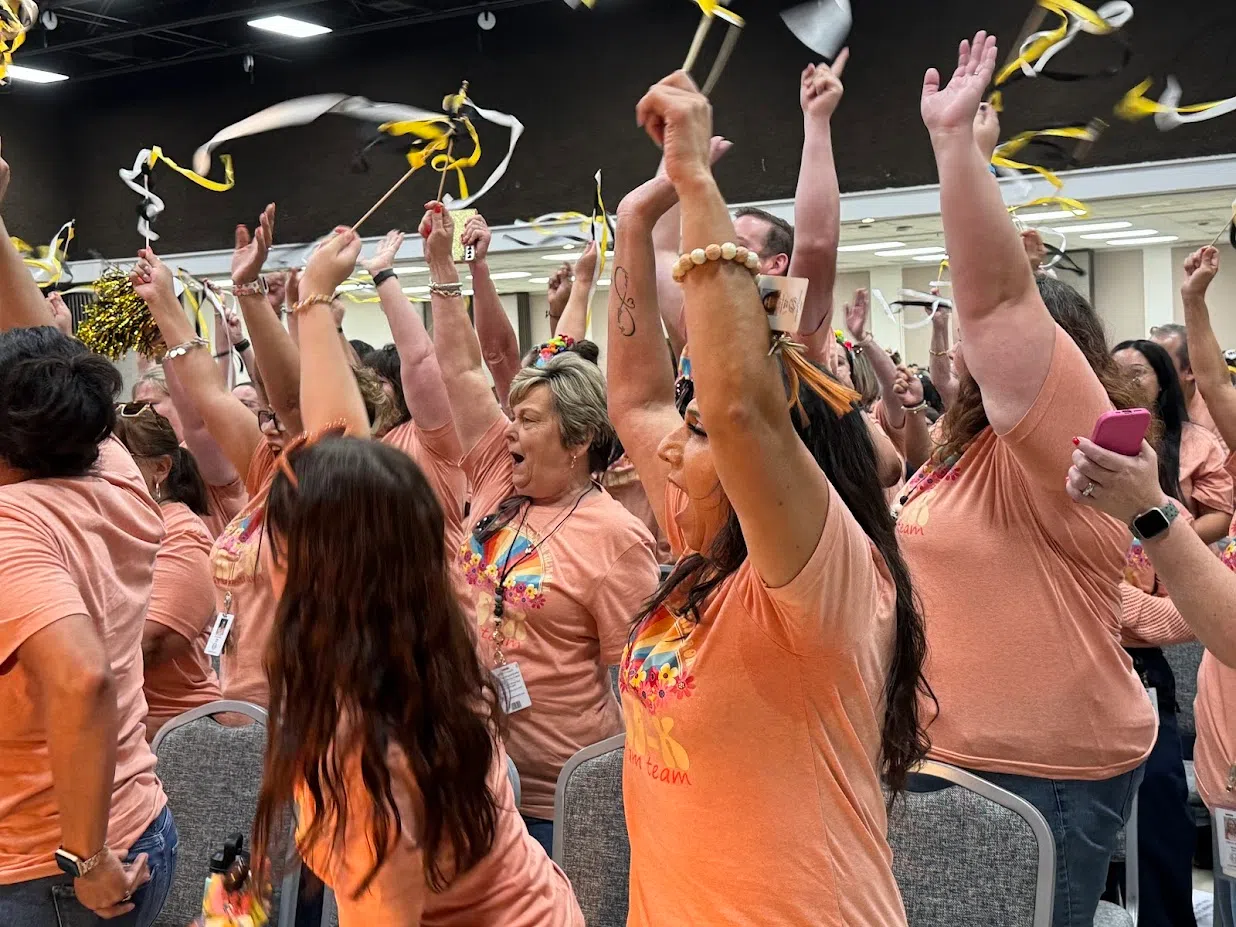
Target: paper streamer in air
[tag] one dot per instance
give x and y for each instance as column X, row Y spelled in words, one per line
column 138, row 179
column 17, row 17
column 46, row 263
column 821, row 25
column 1167, row 111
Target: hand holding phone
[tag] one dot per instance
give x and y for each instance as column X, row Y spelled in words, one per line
column 1122, row 431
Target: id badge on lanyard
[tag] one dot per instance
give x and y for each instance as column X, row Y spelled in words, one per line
column 513, row 691
column 1224, row 819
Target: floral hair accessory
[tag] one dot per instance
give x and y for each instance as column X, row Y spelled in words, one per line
column 841, row 339
column 552, row 348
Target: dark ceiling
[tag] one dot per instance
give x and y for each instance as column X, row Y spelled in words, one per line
column 104, row 38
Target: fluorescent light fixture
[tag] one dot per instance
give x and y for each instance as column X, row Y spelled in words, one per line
column 868, row 221
column 604, row 281
column 34, row 75
column 568, row 247
column 910, row 252
column 873, row 246
column 465, row 292
column 1044, row 216
column 286, row 25
column 1093, row 227
column 537, row 280
column 931, row 257
column 414, row 290
column 558, row 257
column 412, row 270
column 510, row 275
column 1155, row 240
column 1132, row 233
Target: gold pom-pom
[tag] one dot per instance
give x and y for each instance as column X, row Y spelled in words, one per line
column 119, row 320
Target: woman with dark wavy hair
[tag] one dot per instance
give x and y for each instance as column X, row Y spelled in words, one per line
column 1020, row 588
column 781, row 659
column 384, row 725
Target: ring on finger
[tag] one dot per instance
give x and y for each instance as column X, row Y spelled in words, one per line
column 1088, row 492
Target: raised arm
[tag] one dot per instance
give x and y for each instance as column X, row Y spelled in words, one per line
column 940, row 364
column 418, row 362
column 557, row 292
column 574, row 321
column 233, row 427
column 1205, row 355
column 328, row 390
column 817, row 207
column 778, row 491
column 640, row 376
column 216, row 468
column 1009, row 333
column 473, row 405
column 858, row 321
column 273, row 347
column 499, row 343
column 21, row 303
column 908, row 393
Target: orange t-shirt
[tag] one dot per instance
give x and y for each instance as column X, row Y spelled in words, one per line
column 183, row 600
column 1214, row 754
column 433, row 452
column 1199, row 414
column 622, row 482
column 1021, row 596
column 1204, row 480
column 766, row 714
column 514, row 885
column 225, row 504
column 571, row 595
column 243, row 589
column 83, row 546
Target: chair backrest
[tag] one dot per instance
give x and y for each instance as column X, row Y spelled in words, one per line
column 211, row 774
column 330, row 911
column 971, row 854
column 590, row 832
column 513, row 774
column 1184, row 660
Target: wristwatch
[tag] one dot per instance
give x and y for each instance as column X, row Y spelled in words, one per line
column 256, row 287
column 1150, row 524
column 75, row 865
column 382, row 276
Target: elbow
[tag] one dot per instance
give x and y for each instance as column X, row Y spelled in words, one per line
column 87, row 685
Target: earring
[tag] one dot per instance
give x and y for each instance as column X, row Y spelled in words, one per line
column 573, row 459
column 158, row 493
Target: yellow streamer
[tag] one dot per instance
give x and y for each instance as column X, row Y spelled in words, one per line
column 1134, row 105
column 1066, row 10
column 1003, row 155
column 438, row 135
column 1077, row 207
column 714, row 8
column 156, row 155
column 191, row 298
column 12, row 35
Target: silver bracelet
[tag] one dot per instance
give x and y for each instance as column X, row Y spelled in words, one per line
column 446, row 289
column 182, row 349
column 914, row 410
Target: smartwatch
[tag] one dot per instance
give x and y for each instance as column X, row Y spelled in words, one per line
column 1153, row 523
column 382, row 276
column 75, row 865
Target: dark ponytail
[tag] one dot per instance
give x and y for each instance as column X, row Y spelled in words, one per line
column 56, row 403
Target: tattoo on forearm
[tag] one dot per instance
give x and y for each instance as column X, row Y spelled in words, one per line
column 626, row 304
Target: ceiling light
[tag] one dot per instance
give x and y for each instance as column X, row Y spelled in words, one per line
column 412, row 270
column 1156, row 240
column 558, row 257
column 286, row 25
column 34, row 75
column 1132, row 233
column 510, row 275
column 537, row 280
column 415, row 289
column 465, row 292
column 931, row 257
column 868, row 221
column 1044, row 216
column 568, row 247
column 1093, row 227
column 910, row 252
column 604, row 281
column 873, row 246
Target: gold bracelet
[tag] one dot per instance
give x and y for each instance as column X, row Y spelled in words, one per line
column 314, row 300
column 938, row 353
column 714, row 252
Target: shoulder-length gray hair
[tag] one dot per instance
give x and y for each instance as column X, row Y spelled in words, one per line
column 577, row 397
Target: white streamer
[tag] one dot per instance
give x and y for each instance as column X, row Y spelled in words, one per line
column 152, row 205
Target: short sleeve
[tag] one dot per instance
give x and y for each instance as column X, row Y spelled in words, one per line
column 1069, row 404
column 183, row 596
column 38, row 588
column 261, row 469
column 631, row 579
column 1204, row 465
column 489, row 468
column 226, row 501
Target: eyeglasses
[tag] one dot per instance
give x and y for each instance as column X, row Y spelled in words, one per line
column 266, row 417
column 132, row 409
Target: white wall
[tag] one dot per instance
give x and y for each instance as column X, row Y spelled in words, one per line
column 1118, row 294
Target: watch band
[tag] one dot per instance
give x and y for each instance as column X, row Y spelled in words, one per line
column 1154, row 523
column 252, row 288
column 383, row 275
column 75, row 865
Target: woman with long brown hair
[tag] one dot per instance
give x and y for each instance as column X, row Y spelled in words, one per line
column 178, row 674
column 384, row 725
column 1020, row 588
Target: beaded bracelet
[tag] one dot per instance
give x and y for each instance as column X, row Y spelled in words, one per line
column 714, row 252
column 314, row 300
column 184, row 348
column 252, row 288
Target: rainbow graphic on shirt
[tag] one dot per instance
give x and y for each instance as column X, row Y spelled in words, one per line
column 234, row 559
column 531, row 569
column 656, row 666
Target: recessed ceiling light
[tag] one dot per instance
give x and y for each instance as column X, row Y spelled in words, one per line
column 510, row 275
column 412, row 270
column 604, row 281
column 558, row 257
column 34, row 75
column 1156, row 240
column 931, row 257
column 868, row 221
column 286, row 25
column 568, row 247
column 1131, row 233
column 537, row 280
column 873, row 246
column 910, row 252
column 1093, row 227
column 1044, row 216
column 416, row 289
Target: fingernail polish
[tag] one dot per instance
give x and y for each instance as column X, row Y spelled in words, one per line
column 1076, row 442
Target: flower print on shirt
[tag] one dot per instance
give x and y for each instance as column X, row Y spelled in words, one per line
column 530, row 569
column 234, row 558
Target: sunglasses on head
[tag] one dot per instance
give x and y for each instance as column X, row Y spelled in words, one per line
column 684, row 392
column 132, row 409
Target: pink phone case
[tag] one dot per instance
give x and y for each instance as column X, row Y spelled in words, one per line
column 1122, row 431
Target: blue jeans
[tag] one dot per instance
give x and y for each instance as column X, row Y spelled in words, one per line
column 1085, row 819
column 542, row 832
column 50, row 902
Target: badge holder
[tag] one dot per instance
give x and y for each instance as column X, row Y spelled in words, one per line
column 714, row 9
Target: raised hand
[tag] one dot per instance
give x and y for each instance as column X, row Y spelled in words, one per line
column 477, row 234
column 908, row 387
column 251, row 249
column 384, row 257
column 332, row 262
column 857, row 315
column 438, row 230
column 559, row 291
column 1200, row 268
column 821, row 88
column 231, row 319
column 586, row 266
column 1036, row 251
column 987, row 129
column 276, row 292
column 678, row 118
column 152, row 279
column 952, row 108
column 62, row 318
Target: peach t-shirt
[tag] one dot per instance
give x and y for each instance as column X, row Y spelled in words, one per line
column 622, row 482
column 183, row 600
column 752, row 769
column 1020, row 590
column 514, row 885
column 83, row 546
column 1214, row 710
column 1204, row 480
column 435, row 453
column 571, row 596
column 243, row 589
column 225, row 504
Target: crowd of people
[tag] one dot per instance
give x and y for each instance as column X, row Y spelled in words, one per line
column 807, row 565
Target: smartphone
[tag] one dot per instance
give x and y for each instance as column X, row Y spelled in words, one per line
column 1122, row 431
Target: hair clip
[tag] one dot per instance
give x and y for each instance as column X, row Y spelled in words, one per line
column 303, row 441
column 559, row 344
